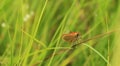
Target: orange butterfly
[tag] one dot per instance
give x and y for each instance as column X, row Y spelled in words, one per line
column 71, row 37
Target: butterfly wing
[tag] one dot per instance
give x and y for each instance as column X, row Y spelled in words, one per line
column 69, row 38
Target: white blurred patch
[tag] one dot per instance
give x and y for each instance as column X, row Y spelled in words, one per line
column 3, row 24
column 27, row 16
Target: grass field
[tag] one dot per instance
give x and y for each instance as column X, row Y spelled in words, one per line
column 31, row 32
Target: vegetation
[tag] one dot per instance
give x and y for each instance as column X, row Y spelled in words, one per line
column 31, row 32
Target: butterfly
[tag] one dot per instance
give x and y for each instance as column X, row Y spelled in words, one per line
column 71, row 37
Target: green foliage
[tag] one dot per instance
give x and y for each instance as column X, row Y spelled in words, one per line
column 31, row 32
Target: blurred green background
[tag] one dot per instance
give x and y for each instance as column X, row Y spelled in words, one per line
column 31, row 30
